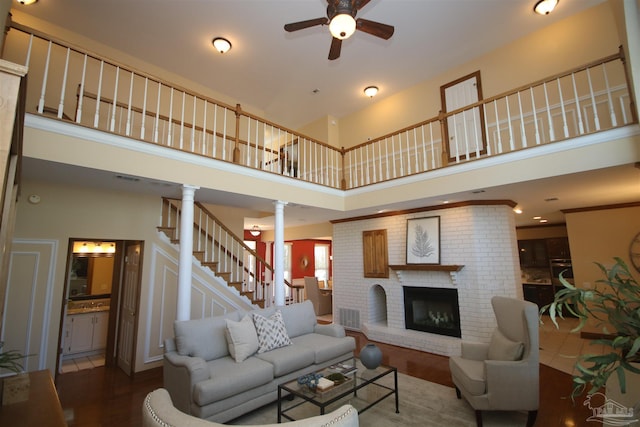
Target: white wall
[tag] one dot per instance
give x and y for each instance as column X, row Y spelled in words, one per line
column 481, row 238
column 36, row 285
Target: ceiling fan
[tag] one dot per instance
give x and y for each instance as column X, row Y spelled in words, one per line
column 341, row 18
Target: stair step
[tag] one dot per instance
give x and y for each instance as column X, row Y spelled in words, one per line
column 237, row 285
column 248, row 294
column 258, row 302
column 199, row 255
column 213, row 265
column 226, row 275
column 170, row 232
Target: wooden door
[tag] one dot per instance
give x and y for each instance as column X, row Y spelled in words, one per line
column 464, row 130
column 129, row 308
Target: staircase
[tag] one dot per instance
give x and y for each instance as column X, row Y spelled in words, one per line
column 219, row 249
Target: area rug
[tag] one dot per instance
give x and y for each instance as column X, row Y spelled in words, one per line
column 422, row 403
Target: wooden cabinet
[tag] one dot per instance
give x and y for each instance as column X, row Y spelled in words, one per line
column 533, row 253
column 375, row 256
column 86, row 332
column 538, row 294
column 558, row 248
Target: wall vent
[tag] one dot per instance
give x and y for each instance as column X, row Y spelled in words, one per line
column 349, row 318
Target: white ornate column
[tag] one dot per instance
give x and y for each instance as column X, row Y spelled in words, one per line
column 278, row 253
column 183, row 311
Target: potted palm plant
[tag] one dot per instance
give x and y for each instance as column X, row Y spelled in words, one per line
column 10, row 360
column 15, row 388
column 614, row 304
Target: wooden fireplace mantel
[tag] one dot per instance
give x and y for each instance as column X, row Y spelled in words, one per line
column 426, row 267
column 451, row 269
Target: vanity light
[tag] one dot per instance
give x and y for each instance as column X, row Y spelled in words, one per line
column 221, row 44
column 371, row 91
column 545, row 7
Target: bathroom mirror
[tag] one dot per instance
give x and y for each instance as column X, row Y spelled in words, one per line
column 90, row 274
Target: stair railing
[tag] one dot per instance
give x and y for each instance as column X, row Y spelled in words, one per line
column 226, row 254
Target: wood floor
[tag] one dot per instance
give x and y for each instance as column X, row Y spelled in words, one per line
column 106, row 397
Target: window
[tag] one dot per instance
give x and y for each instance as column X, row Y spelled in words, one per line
column 250, row 261
column 321, row 259
column 287, row 267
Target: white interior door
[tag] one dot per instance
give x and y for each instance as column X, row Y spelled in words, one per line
column 129, row 309
column 465, row 128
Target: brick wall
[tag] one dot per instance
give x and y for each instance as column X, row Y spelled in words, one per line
column 482, row 238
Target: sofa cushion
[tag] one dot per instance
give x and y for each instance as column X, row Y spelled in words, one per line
column 228, row 378
column 470, row 373
column 288, row 359
column 203, row 338
column 502, row 348
column 271, row 332
column 299, row 319
column 325, row 347
column 242, row 338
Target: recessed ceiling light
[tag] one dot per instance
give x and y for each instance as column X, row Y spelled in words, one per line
column 543, row 221
column 518, row 211
column 537, row 217
column 27, row 2
column 477, row 191
column 551, row 199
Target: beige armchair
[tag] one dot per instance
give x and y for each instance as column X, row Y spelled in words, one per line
column 158, row 411
column 322, row 300
column 504, row 374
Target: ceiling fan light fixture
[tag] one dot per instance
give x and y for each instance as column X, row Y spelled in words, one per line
column 221, row 44
column 342, row 26
column 255, row 231
column 371, row 91
column 545, row 7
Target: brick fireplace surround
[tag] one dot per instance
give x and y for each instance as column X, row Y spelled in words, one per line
column 480, row 237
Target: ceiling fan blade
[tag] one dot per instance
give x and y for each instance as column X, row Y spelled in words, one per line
column 377, row 29
column 295, row 26
column 362, row 3
column 334, row 52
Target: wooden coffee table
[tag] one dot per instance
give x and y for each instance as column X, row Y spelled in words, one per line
column 363, row 390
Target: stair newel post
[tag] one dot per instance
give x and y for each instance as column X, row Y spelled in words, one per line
column 183, row 309
column 236, row 148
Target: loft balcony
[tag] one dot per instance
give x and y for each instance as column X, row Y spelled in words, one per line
column 69, row 84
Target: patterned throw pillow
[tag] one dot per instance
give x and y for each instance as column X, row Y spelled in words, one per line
column 271, row 332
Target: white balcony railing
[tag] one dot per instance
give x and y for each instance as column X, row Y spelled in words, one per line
column 68, row 83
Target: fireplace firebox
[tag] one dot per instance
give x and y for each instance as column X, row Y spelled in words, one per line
column 433, row 310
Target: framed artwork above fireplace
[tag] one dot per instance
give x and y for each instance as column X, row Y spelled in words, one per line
column 423, row 240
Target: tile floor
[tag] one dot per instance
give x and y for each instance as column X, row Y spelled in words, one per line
column 559, row 346
column 80, row 363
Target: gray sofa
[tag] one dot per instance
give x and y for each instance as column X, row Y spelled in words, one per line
column 214, row 369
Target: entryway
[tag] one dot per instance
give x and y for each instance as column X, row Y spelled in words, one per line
column 101, row 296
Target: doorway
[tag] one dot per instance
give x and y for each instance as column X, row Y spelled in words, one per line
column 101, row 297
column 464, row 131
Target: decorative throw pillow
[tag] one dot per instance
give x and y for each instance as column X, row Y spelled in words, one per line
column 502, row 348
column 242, row 338
column 271, row 332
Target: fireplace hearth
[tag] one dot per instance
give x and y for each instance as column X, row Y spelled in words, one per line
column 433, row 310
